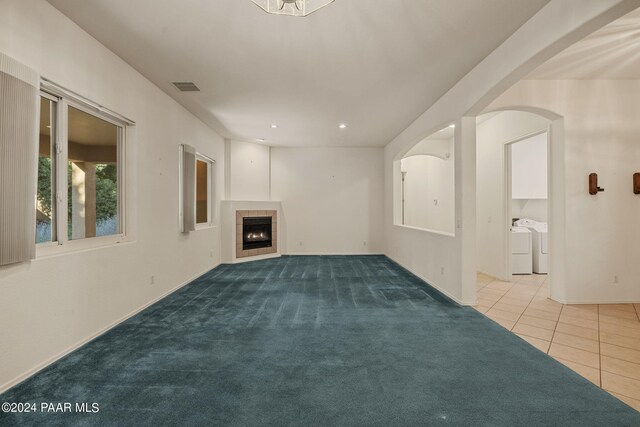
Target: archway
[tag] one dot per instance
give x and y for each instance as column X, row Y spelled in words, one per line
column 424, row 184
column 497, row 129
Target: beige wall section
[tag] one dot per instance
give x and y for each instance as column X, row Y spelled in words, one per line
column 249, row 171
column 429, row 192
column 602, row 135
column 52, row 304
column 331, row 199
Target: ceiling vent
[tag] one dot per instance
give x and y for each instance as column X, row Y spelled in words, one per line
column 186, row 86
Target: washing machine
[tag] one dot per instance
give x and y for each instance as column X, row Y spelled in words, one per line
column 521, row 250
column 540, row 244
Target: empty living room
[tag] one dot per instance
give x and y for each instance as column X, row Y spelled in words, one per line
column 319, row 212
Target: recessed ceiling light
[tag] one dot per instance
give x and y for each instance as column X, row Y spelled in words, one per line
column 274, row 126
column 342, row 126
column 260, row 139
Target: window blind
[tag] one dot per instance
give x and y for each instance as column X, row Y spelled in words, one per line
column 19, row 97
column 187, row 188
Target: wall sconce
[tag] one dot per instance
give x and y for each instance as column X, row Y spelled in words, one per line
column 636, row 183
column 593, row 184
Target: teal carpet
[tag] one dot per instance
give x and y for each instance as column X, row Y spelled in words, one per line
column 339, row 340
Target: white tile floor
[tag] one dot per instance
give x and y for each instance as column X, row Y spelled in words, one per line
column 599, row 342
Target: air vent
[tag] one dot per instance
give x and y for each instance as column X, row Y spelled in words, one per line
column 186, row 86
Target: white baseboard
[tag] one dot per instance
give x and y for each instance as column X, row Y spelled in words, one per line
column 334, row 254
column 432, row 284
column 614, row 301
column 253, row 258
column 20, row 378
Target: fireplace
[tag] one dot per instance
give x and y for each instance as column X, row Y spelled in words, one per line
column 256, row 232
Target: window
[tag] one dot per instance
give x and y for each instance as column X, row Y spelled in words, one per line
column 204, row 191
column 80, row 170
column 46, row 200
column 196, row 189
column 203, row 177
column 92, row 163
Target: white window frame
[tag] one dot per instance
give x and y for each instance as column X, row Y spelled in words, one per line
column 65, row 99
column 210, row 215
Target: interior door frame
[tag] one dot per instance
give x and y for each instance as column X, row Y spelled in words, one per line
column 509, row 191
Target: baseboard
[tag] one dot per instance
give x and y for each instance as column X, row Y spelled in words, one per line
column 253, row 258
column 336, row 254
column 591, row 302
column 431, row 283
column 22, row 377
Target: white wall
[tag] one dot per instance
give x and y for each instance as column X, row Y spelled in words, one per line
column 602, row 135
column 492, row 224
column 529, row 168
column 249, row 171
column 331, row 199
column 535, row 209
column 429, row 193
column 52, row 304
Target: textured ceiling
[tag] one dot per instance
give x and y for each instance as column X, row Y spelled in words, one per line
column 375, row 65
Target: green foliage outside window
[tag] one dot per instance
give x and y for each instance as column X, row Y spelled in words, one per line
column 106, row 189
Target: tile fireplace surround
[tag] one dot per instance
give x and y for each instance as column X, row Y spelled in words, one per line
column 240, row 215
column 231, row 214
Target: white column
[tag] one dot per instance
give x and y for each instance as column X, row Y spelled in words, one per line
column 465, row 152
column 83, row 200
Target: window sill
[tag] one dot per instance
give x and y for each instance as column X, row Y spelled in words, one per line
column 48, row 250
column 426, row 230
column 205, row 227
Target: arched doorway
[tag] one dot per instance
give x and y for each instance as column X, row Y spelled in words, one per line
column 503, row 212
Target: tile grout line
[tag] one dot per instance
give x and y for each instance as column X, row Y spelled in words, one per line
column 621, row 394
column 600, row 355
column 555, row 328
column 485, row 313
column 599, row 347
column 525, row 309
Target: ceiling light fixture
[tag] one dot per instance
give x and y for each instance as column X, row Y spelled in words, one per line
column 291, row 7
column 260, row 140
column 274, row 126
column 342, row 126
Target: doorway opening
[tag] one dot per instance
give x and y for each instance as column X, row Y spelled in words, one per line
column 513, row 207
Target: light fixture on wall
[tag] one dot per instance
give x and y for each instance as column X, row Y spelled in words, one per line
column 291, row 7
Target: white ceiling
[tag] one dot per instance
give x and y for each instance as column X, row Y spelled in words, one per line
column 375, row 65
column 612, row 53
